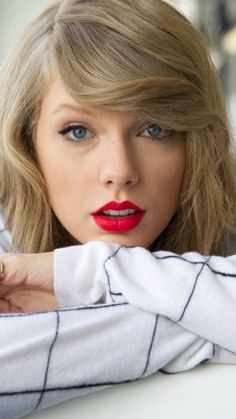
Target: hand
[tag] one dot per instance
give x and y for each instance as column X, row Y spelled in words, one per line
column 27, row 283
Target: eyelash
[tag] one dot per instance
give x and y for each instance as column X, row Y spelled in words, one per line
column 69, row 128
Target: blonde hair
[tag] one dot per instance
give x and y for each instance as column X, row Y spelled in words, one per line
column 124, row 55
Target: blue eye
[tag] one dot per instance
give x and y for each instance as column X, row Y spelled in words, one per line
column 154, row 131
column 77, row 133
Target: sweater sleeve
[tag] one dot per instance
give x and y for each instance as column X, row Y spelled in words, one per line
column 49, row 357
column 197, row 292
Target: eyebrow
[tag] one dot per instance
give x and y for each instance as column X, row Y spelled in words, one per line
column 74, row 108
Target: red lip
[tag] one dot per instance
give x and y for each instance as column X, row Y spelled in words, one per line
column 116, row 224
column 118, row 206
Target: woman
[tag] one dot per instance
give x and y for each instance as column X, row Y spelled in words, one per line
column 115, row 160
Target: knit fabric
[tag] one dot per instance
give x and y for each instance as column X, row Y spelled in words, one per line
column 126, row 313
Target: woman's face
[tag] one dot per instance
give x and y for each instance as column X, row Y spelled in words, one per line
column 94, row 156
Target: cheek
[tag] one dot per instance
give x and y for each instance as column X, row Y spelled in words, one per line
column 59, row 173
column 168, row 181
column 69, row 182
column 64, row 183
column 172, row 177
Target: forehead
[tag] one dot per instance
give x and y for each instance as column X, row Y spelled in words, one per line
column 56, row 93
column 57, row 99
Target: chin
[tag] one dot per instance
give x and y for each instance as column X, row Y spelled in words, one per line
column 122, row 240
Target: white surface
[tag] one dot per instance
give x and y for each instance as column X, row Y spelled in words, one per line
column 206, row 392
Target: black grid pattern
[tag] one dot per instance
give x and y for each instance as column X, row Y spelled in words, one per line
column 57, row 315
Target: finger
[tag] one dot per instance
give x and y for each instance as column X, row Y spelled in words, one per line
column 3, row 257
column 7, row 307
column 14, row 271
column 1, row 269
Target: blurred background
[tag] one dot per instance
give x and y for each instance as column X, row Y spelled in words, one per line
column 215, row 18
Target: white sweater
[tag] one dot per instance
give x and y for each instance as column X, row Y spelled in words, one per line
column 125, row 313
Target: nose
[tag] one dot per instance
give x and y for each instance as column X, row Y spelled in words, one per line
column 119, row 166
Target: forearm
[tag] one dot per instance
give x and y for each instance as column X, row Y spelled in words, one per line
column 49, row 357
column 195, row 291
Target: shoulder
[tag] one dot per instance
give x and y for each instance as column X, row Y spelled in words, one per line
column 5, row 236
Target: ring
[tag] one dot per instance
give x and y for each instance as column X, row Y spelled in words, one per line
column 1, row 269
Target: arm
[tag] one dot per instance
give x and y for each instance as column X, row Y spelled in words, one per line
column 197, row 292
column 49, row 357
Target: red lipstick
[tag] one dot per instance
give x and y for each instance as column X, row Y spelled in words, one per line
column 118, row 223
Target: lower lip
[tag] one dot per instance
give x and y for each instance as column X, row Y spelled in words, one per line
column 118, row 224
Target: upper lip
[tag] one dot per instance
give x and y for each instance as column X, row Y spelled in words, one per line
column 119, row 206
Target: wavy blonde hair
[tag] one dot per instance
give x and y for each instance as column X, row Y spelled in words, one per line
column 124, row 55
